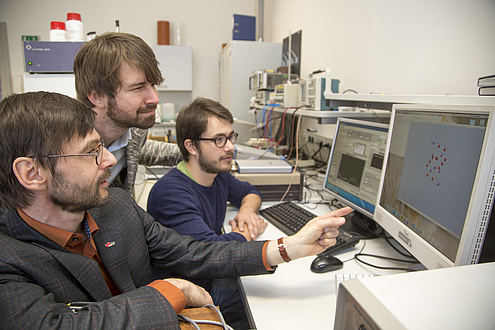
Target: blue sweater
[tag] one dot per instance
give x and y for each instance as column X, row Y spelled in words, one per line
column 178, row 202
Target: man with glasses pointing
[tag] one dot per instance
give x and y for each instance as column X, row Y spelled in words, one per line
column 192, row 197
column 76, row 254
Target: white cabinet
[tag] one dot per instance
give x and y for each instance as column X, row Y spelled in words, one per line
column 238, row 61
column 175, row 63
column 63, row 83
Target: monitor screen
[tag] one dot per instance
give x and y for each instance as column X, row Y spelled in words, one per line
column 438, row 169
column 355, row 164
column 292, row 57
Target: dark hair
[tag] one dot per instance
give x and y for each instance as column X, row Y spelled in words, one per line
column 192, row 121
column 97, row 64
column 36, row 124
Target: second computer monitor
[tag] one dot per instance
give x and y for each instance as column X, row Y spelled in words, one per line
column 355, row 164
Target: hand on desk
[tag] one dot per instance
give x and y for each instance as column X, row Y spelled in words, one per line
column 195, row 295
column 315, row 237
column 249, row 224
column 247, row 221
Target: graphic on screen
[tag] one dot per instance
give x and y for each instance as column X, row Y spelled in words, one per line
column 436, row 162
column 355, row 163
column 430, row 174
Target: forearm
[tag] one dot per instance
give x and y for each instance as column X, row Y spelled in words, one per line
column 247, row 221
column 273, row 255
column 40, row 311
column 315, row 237
column 250, row 203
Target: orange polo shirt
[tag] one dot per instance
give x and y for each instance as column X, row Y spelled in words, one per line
column 78, row 243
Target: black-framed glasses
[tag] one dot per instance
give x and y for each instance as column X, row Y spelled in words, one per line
column 221, row 140
column 98, row 154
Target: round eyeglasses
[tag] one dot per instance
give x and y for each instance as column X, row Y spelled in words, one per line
column 98, row 154
column 221, row 140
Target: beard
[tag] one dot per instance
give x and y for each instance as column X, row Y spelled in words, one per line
column 128, row 120
column 210, row 166
column 76, row 198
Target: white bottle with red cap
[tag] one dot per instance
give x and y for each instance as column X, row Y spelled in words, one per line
column 74, row 27
column 57, row 31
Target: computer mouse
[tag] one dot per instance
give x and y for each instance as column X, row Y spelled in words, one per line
column 326, row 263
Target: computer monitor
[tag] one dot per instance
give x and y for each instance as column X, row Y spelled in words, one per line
column 437, row 186
column 292, row 57
column 355, row 164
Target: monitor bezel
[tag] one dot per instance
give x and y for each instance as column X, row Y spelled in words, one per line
column 476, row 222
column 341, row 199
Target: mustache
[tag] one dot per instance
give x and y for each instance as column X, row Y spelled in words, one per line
column 148, row 108
column 106, row 174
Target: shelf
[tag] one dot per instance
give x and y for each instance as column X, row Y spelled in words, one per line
column 380, row 105
column 330, row 117
column 386, row 101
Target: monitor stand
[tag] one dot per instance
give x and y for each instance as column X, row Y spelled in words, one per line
column 362, row 225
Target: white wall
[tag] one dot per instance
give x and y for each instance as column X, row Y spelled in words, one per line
column 391, row 46
column 207, row 24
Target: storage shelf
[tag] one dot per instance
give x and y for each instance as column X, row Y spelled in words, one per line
column 386, row 101
column 330, row 117
column 380, row 105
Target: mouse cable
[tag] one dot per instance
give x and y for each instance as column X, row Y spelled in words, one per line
column 361, row 251
column 389, row 239
column 195, row 323
column 357, row 255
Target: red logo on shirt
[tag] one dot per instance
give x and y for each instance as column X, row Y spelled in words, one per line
column 109, row 244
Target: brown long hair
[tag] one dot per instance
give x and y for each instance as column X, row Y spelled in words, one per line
column 97, row 64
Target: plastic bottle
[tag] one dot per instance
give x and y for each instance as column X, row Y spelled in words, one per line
column 57, row 31
column 90, row 35
column 177, row 33
column 163, row 32
column 74, row 27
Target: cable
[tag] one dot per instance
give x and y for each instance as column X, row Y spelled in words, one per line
column 361, row 254
column 297, row 154
column 282, row 129
column 292, row 131
column 357, row 255
column 387, row 238
column 361, row 251
column 195, row 323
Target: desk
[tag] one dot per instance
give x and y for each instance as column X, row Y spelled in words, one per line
column 296, row 298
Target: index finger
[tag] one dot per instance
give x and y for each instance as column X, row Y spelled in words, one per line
column 338, row 213
column 333, row 220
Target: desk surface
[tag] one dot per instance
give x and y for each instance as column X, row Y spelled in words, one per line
column 294, row 297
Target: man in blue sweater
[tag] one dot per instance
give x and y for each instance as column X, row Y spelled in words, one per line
column 192, row 197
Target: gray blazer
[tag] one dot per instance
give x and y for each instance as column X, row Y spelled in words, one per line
column 142, row 151
column 38, row 278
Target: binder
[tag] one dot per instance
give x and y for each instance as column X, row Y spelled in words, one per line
column 244, row 28
column 486, row 81
column 486, row 91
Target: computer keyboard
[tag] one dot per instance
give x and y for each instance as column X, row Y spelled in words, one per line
column 339, row 278
column 290, row 218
